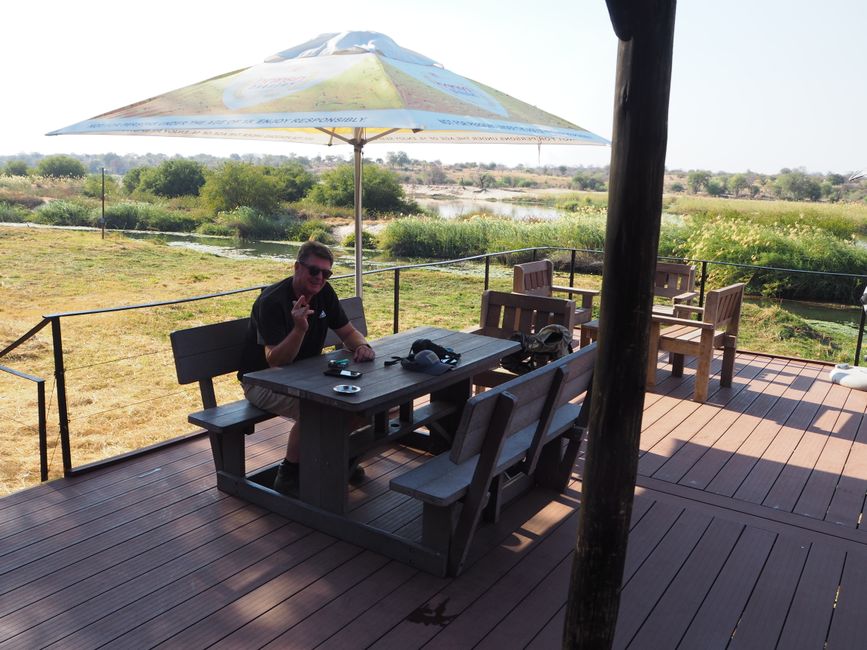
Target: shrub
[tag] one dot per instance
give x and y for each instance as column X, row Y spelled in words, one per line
column 144, row 216
column 304, row 229
column 64, row 213
column 236, row 184
column 796, row 246
column 293, row 181
column 368, row 240
column 16, row 168
column 93, row 186
column 132, row 178
column 61, row 167
column 173, row 178
column 12, row 213
column 381, row 187
column 248, row 223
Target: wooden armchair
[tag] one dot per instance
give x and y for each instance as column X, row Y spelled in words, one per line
column 674, row 282
column 718, row 328
column 537, row 279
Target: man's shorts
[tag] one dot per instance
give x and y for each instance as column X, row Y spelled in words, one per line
column 267, row 400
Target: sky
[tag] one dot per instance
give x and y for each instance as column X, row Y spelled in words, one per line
column 755, row 86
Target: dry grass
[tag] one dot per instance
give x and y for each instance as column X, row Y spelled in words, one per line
column 122, row 392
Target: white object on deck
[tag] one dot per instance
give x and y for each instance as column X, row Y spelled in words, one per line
column 849, row 376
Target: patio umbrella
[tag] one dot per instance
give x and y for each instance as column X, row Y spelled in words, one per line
column 351, row 87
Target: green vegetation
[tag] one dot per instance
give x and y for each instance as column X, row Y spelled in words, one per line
column 61, row 167
column 172, row 178
column 381, row 188
column 119, row 366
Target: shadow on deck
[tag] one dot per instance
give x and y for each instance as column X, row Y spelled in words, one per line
column 745, row 534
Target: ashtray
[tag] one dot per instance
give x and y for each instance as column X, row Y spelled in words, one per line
column 347, row 388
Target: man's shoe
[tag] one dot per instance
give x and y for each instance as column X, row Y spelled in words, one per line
column 286, row 481
column 356, row 472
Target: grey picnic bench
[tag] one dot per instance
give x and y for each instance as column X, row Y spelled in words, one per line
column 521, row 433
column 208, row 351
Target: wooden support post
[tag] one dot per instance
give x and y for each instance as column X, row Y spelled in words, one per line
column 646, row 31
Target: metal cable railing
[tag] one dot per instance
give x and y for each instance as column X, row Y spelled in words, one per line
column 60, row 369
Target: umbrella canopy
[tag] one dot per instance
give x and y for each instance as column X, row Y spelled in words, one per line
column 352, row 87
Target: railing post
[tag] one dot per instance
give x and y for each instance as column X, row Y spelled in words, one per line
column 572, row 269
column 703, row 280
column 396, row 316
column 43, row 433
column 860, row 335
column 487, row 271
column 60, row 379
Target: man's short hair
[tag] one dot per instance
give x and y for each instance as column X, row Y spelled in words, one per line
column 315, row 248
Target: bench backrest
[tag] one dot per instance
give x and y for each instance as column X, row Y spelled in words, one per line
column 208, row 351
column 672, row 279
column 534, row 278
column 722, row 307
column 504, row 313
column 533, row 399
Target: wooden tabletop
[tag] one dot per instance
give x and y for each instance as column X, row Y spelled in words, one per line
column 380, row 384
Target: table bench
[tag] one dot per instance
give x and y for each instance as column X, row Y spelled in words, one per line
column 508, row 439
column 209, row 351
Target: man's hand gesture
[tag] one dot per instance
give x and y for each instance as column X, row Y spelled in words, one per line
column 300, row 312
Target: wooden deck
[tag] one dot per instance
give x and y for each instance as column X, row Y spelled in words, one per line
column 746, row 534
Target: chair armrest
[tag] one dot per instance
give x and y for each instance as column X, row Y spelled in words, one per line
column 587, row 295
column 682, row 311
column 671, row 320
column 472, row 329
column 583, row 292
column 684, row 297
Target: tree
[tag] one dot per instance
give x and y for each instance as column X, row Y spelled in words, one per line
column 293, row 181
column 234, row 184
column 381, row 189
column 397, row 159
column 696, row 180
column 173, row 178
column 797, row 186
column 737, row 183
column 93, row 185
column 17, row 168
column 132, row 178
column 61, row 167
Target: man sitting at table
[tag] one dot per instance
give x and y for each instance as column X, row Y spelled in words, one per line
column 289, row 322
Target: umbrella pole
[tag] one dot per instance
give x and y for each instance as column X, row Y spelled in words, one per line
column 358, row 144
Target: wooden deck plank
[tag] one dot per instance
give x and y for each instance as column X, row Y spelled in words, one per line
column 768, row 605
column 819, row 490
column 792, row 479
column 719, row 613
column 272, row 599
column 757, row 440
column 674, row 466
column 758, row 483
column 847, row 623
column 806, row 625
column 645, row 587
column 148, row 552
column 696, row 421
column 848, row 500
column 714, row 459
column 350, row 605
column 669, row 618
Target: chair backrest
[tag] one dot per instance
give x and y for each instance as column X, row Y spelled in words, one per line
column 722, row 307
column 503, row 313
column 535, row 278
column 529, row 393
column 354, row 309
column 535, row 398
column 673, row 279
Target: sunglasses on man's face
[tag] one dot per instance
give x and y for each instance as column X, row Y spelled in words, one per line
column 314, row 270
